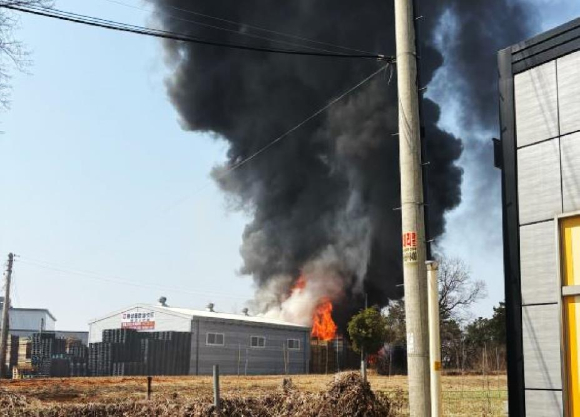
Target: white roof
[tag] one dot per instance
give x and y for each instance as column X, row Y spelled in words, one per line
column 209, row 314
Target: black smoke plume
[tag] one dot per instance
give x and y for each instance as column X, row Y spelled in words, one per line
column 323, row 199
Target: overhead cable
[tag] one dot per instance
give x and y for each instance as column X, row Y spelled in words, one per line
column 248, row 26
column 221, row 28
column 270, row 144
column 140, row 30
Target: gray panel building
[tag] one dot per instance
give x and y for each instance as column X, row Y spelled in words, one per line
column 239, row 344
column 539, row 154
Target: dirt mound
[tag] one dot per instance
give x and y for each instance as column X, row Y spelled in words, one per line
column 347, row 395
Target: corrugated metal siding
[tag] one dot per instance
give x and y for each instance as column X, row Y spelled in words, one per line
column 541, row 333
column 569, row 92
column 539, row 184
column 541, row 157
column 543, row 403
column 238, row 357
column 538, row 263
column 571, row 170
column 536, row 104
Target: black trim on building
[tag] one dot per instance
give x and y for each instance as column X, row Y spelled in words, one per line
column 543, row 48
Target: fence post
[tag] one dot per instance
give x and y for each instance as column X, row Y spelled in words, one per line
column 149, row 379
column 363, row 365
column 216, row 388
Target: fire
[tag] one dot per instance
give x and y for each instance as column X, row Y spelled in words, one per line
column 323, row 327
column 299, row 285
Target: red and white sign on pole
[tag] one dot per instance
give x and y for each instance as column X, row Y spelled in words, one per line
column 410, row 247
column 138, row 321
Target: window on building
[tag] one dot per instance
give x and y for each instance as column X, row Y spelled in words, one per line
column 257, row 341
column 294, row 344
column 42, row 325
column 215, row 339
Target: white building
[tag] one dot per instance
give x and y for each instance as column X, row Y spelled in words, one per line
column 24, row 322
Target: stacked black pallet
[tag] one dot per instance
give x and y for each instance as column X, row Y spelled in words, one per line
column 59, row 366
column 79, row 367
column 41, row 352
column 125, row 352
column 13, row 345
column 176, row 354
column 167, row 353
column 78, row 354
column 76, row 349
column 93, row 355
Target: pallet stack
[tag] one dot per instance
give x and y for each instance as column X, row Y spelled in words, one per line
column 125, row 352
column 12, row 353
column 45, row 355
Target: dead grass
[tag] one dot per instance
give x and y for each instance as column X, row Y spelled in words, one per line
column 463, row 395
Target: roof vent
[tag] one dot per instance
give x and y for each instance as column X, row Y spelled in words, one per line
column 162, row 301
column 245, row 312
column 210, row 307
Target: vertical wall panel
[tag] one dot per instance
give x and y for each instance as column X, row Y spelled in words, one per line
column 536, row 104
column 543, row 403
column 571, row 170
column 541, row 334
column 539, row 186
column 538, row 263
column 569, row 92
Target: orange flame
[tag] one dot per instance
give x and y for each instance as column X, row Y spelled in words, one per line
column 323, row 327
column 299, row 285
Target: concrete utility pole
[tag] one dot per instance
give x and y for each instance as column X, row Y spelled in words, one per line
column 434, row 338
column 412, row 209
column 5, row 321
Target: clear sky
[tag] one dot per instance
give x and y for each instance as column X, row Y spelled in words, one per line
column 108, row 202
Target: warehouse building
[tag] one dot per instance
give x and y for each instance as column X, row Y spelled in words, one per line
column 539, row 154
column 239, row 343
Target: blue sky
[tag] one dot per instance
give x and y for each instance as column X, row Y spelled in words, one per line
column 101, row 185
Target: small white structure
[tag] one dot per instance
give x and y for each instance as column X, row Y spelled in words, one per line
column 24, row 322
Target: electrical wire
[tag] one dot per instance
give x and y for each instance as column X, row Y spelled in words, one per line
column 115, row 280
column 297, row 37
column 51, row 266
column 140, row 30
column 246, row 25
column 234, row 31
column 281, row 137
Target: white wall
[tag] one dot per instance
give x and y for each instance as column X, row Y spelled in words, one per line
column 163, row 322
column 30, row 320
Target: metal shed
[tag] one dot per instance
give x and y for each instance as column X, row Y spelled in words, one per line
column 539, row 154
column 239, row 344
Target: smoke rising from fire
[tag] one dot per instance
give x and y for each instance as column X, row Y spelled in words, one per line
column 322, row 201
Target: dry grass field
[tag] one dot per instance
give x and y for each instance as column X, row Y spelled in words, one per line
column 463, row 395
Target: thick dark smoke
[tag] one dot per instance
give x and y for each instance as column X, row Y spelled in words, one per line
column 323, row 199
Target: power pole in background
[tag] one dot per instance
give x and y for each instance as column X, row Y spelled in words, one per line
column 412, row 209
column 5, row 321
column 434, row 338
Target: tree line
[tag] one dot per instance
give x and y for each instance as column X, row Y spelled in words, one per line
column 467, row 344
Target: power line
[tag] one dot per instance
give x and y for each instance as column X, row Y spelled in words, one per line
column 105, row 278
column 51, row 266
column 282, row 136
column 234, row 31
column 140, row 30
column 257, row 28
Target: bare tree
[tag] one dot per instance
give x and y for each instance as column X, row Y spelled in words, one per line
column 13, row 54
column 457, row 292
